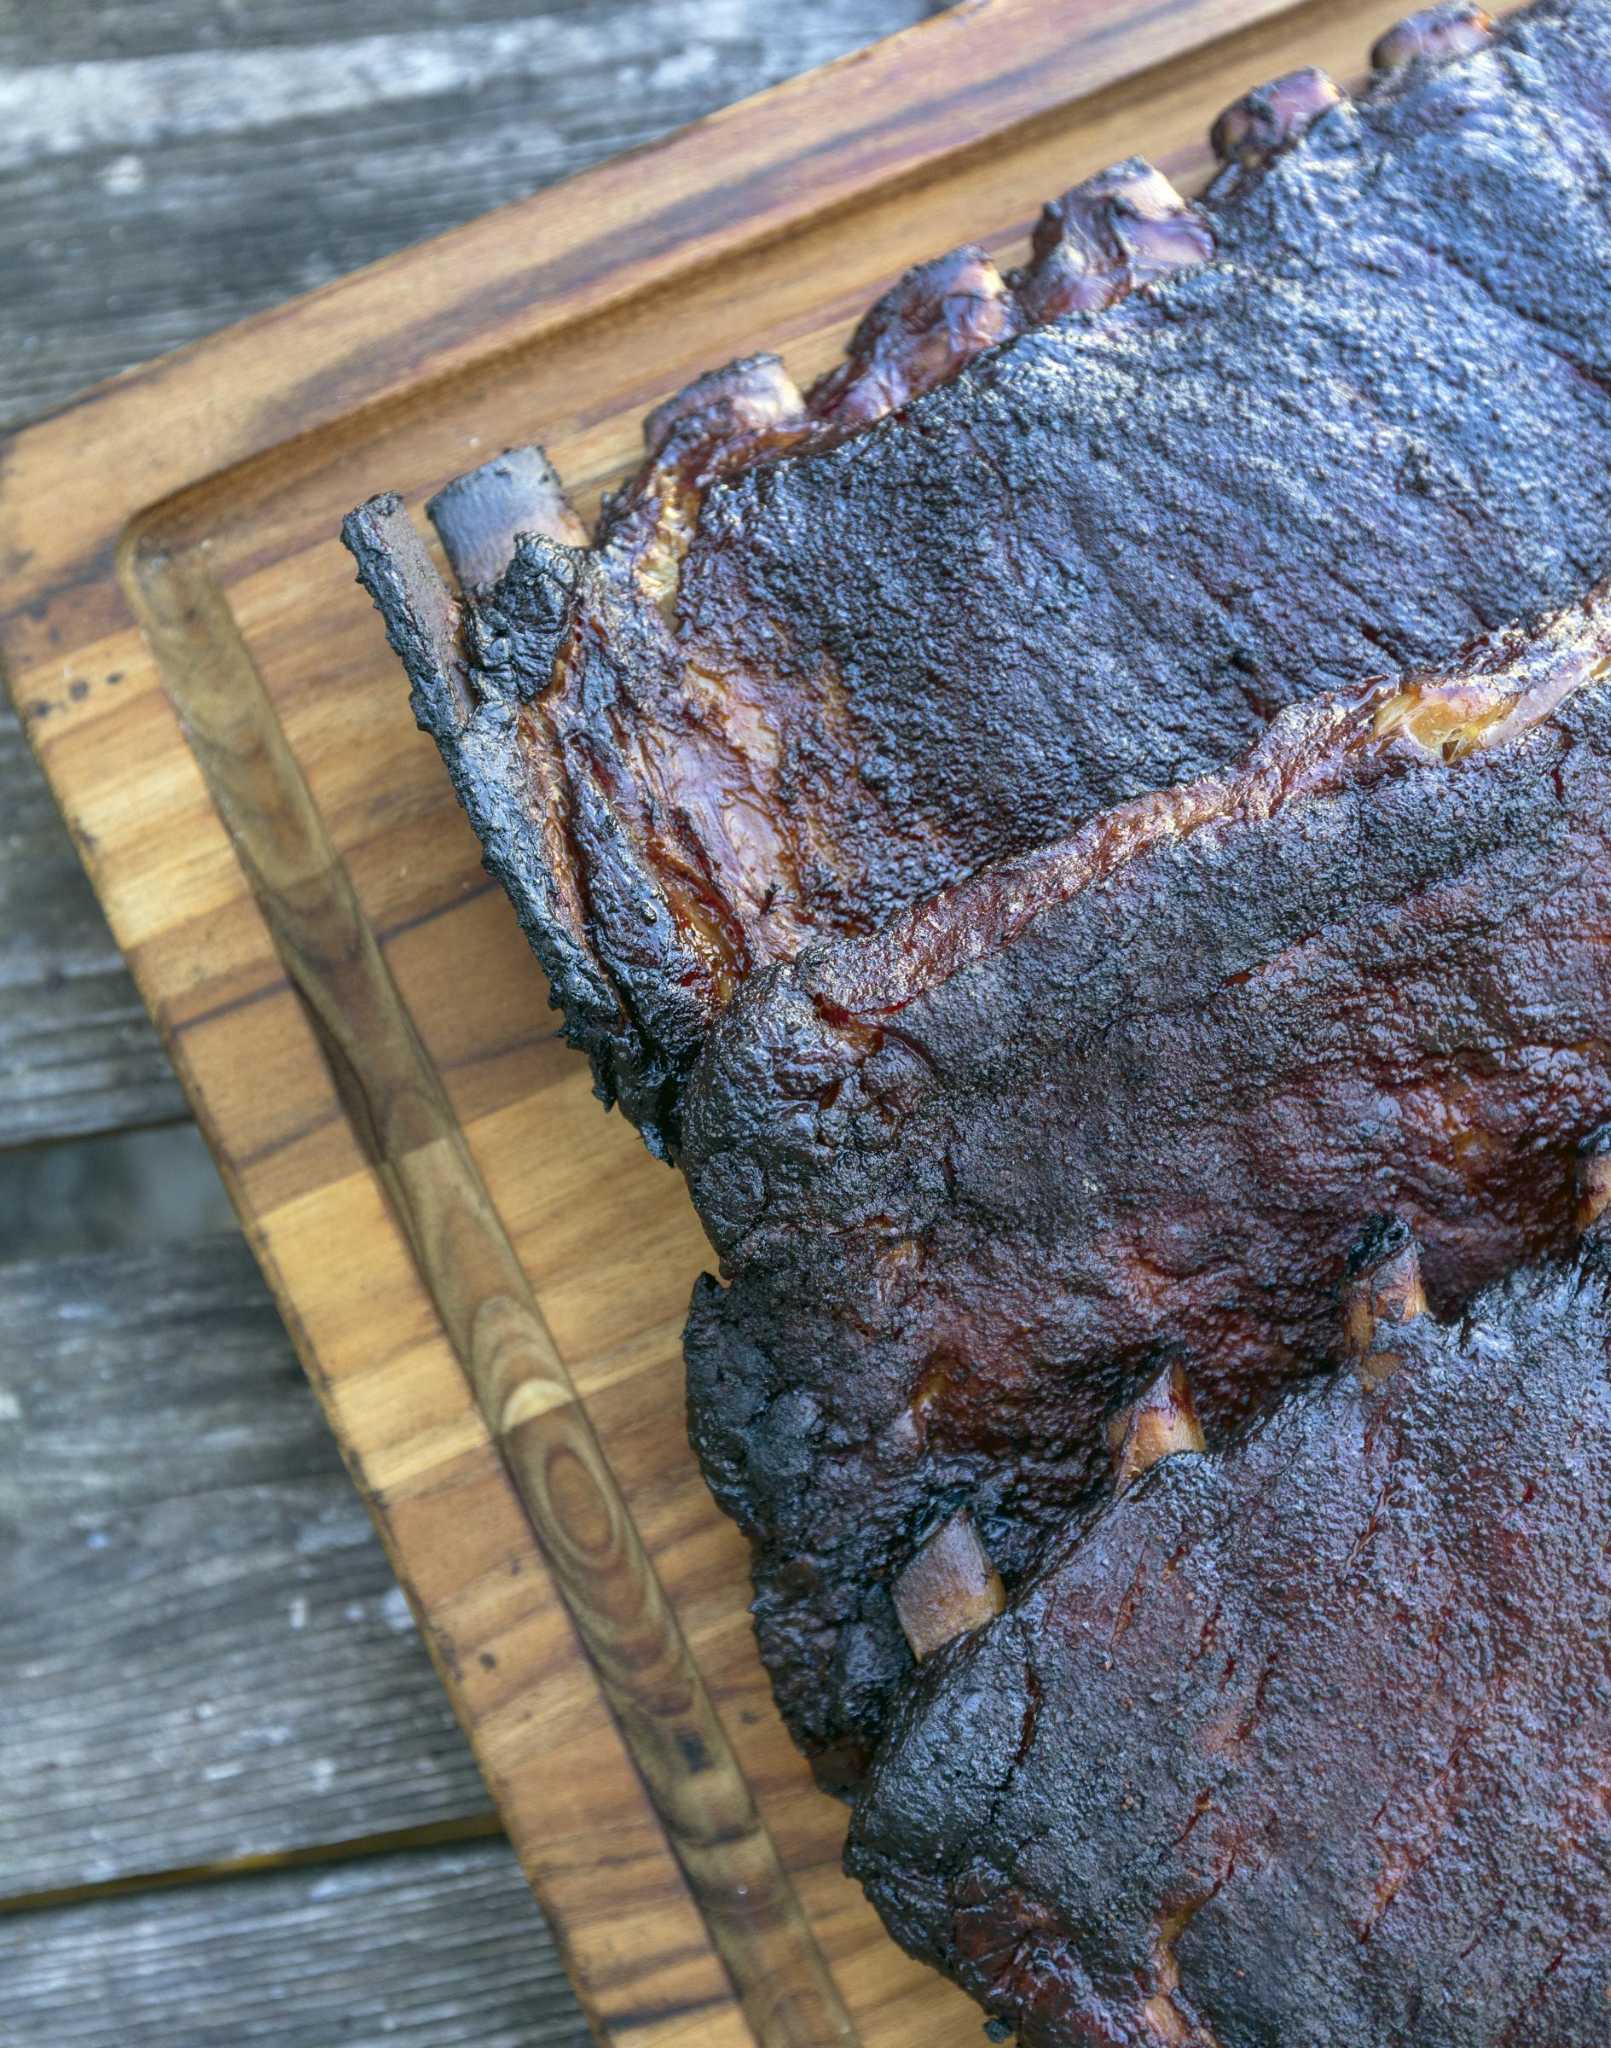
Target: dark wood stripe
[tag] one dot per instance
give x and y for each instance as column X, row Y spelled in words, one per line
column 471, row 1827
column 394, row 1098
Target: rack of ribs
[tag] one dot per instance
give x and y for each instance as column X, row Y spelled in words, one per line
column 1043, row 542
column 1140, row 1090
column 1303, row 1741
column 1085, row 834
column 975, row 1129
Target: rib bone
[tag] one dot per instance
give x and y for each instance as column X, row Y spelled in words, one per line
column 1594, row 1183
column 949, row 1589
column 479, row 516
column 1124, row 228
column 1434, row 36
column 920, row 333
column 1263, row 123
column 1162, row 1424
column 1383, row 1289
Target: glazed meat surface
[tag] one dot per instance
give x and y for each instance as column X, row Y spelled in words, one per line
column 1302, row 1745
column 1140, row 1089
column 1044, row 542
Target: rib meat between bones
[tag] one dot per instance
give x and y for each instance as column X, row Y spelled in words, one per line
column 1305, row 1742
column 1043, row 543
column 1140, row 1090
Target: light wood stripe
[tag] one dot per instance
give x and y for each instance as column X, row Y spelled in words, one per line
column 393, row 1097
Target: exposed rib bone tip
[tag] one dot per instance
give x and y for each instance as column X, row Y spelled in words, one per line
column 479, row 516
column 949, row 1589
column 422, row 616
column 1594, row 1182
column 1382, row 1290
column 1272, row 117
column 1435, row 35
column 1121, row 229
column 753, row 392
column 1161, row 1424
column 921, row 332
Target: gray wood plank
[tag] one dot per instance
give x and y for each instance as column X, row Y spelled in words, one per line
column 68, row 31
column 150, row 192
column 125, row 1192
column 434, row 1949
column 205, row 1654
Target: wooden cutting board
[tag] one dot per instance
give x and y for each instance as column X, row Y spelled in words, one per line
column 485, row 1275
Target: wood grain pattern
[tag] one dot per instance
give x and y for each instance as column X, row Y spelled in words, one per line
column 393, row 1099
column 393, row 1114
column 400, row 1951
column 194, row 1595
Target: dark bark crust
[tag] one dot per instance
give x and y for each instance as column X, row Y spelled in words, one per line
column 1142, row 1090
column 1007, row 1090
column 831, row 652
column 1302, row 1743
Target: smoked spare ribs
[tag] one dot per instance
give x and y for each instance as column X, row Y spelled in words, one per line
column 1086, row 835
column 1302, row 1744
column 1043, row 542
column 968, row 1178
